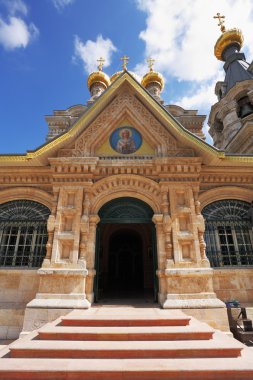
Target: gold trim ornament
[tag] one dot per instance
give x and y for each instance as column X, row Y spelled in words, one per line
column 125, row 60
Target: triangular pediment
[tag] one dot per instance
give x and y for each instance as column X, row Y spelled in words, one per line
column 126, row 127
column 124, row 103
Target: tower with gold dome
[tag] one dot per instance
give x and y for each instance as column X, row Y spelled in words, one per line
column 231, row 117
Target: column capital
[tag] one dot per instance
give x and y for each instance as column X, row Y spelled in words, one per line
column 94, row 219
column 157, row 218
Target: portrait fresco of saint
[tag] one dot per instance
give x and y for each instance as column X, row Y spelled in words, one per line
column 125, row 140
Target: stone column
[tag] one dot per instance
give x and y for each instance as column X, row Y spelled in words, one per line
column 62, row 279
column 189, row 281
column 200, row 225
column 90, row 257
column 161, row 255
column 51, row 228
column 84, row 229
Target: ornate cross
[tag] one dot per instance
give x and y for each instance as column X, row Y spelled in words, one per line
column 101, row 62
column 151, row 62
column 221, row 22
column 125, row 60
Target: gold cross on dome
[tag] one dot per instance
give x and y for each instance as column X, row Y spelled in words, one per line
column 101, row 62
column 125, row 60
column 151, row 62
column 221, row 22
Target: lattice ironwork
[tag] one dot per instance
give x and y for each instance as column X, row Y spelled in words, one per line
column 23, row 233
column 126, row 210
column 23, row 210
column 228, row 235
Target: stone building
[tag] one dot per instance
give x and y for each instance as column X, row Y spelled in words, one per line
column 126, row 199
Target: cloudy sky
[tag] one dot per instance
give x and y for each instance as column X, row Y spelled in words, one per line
column 48, row 47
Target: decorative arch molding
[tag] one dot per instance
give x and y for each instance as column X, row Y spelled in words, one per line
column 118, row 186
column 29, row 193
column 225, row 192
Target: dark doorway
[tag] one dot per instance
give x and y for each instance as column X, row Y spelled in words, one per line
column 125, row 261
column 126, row 252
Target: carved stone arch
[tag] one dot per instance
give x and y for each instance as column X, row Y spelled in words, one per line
column 125, row 186
column 225, row 192
column 239, row 90
column 28, row 193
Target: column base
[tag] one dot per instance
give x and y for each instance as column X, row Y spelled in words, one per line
column 192, row 301
column 199, row 285
column 59, row 302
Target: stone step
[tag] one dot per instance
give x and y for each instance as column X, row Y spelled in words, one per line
column 189, row 332
column 103, row 349
column 217, row 347
column 118, row 320
column 127, row 369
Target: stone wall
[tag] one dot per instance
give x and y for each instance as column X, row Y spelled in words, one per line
column 17, row 288
column 234, row 283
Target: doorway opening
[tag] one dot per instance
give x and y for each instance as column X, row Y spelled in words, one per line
column 126, row 260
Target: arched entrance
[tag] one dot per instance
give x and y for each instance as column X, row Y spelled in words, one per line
column 126, row 258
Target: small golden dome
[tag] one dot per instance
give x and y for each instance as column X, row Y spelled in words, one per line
column 98, row 77
column 153, row 77
column 229, row 37
column 118, row 73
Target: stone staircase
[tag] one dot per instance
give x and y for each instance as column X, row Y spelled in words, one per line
column 126, row 343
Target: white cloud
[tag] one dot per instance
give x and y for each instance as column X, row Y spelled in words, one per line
column 199, row 97
column 60, row 4
column 16, row 33
column 180, row 35
column 88, row 52
column 16, row 6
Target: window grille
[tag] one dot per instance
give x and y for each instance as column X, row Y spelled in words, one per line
column 23, row 233
column 228, row 234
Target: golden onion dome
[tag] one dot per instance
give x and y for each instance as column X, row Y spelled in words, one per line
column 153, row 77
column 118, row 73
column 229, row 37
column 98, row 77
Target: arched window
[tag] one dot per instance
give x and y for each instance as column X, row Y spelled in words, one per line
column 228, row 235
column 23, row 233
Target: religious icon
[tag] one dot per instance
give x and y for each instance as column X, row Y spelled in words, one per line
column 126, row 140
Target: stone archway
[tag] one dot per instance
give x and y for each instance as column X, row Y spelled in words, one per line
column 126, row 259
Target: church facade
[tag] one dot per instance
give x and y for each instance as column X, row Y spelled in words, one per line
column 127, row 200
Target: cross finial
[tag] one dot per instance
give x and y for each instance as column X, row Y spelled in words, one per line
column 125, row 60
column 221, row 22
column 151, row 62
column 101, row 62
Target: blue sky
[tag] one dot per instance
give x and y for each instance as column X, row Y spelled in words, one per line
column 48, row 47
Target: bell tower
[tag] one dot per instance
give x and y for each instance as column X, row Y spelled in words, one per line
column 231, row 118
